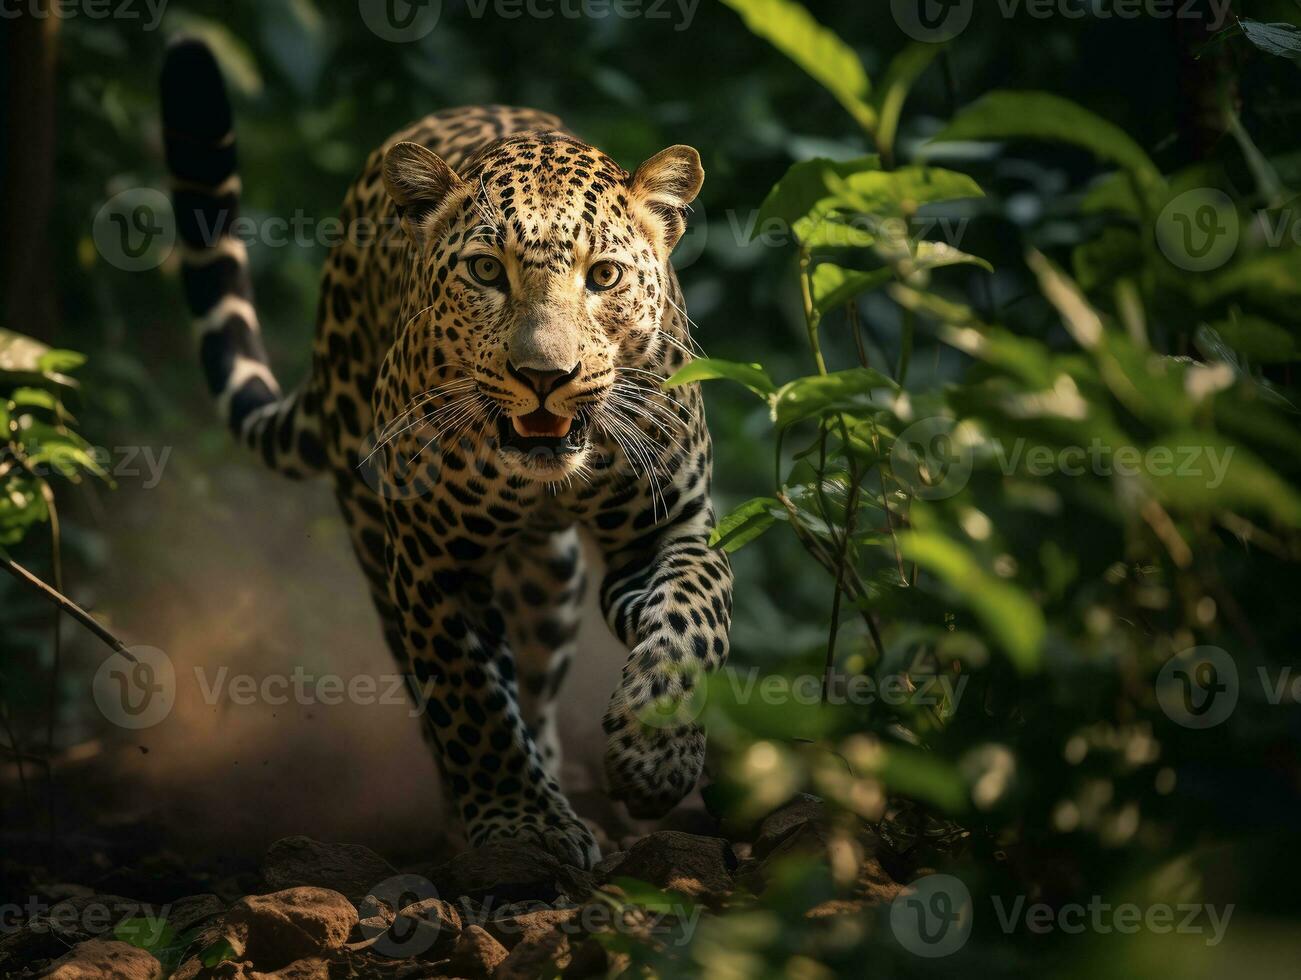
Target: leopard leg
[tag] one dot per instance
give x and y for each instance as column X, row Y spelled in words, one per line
column 455, row 640
column 668, row 596
column 539, row 585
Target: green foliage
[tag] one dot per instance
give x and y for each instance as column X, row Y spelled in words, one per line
column 1039, row 529
column 38, row 438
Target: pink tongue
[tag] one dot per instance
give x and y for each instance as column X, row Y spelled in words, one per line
column 542, row 423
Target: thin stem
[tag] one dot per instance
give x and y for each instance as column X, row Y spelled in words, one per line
column 67, row 605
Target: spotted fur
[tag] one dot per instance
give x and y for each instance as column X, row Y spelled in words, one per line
column 501, row 272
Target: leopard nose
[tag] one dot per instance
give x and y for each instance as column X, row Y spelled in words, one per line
column 542, row 382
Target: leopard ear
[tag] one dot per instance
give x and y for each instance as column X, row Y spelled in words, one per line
column 666, row 184
column 418, row 181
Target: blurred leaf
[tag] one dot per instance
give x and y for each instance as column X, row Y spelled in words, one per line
column 1005, row 115
column 904, row 70
column 1006, row 611
column 791, row 29
column 1212, row 474
column 752, row 376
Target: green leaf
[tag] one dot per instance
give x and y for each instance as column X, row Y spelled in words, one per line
column 746, row 523
column 937, row 255
column 821, row 394
column 834, row 286
column 800, row 189
column 1209, row 474
column 904, row 70
column 1283, row 40
column 791, row 29
column 1005, row 610
column 218, row 952
column 58, row 361
column 34, row 398
column 752, row 376
column 1040, row 115
column 895, row 193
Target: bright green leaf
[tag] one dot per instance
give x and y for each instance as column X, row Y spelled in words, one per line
column 752, row 376
column 834, row 286
column 821, row 394
column 791, row 29
column 746, row 523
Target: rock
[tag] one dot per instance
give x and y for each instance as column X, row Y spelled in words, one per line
column 96, row 959
column 803, row 809
column 476, row 954
column 312, row 968
column 510, row 871
column 47, row 935
column 428, row 928
column 539, row 955
column 529, row 927
column 290, row 925
column 351, row 869
column 193, row 909
column 699, row 867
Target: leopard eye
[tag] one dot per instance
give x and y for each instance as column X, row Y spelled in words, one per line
column 604, row 275
column 487, row 270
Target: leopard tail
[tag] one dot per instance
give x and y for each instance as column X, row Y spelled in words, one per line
column 199, row 137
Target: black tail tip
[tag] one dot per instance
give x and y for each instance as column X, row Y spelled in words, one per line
column 193, row 93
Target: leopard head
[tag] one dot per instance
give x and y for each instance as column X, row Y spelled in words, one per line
column 544, row 268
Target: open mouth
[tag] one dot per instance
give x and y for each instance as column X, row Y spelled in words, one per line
column 543, row 431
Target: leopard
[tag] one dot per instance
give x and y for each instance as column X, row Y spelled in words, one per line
column 486, row 392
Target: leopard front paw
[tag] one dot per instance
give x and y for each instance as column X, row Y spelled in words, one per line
column 563, row 836
column 653, row 753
